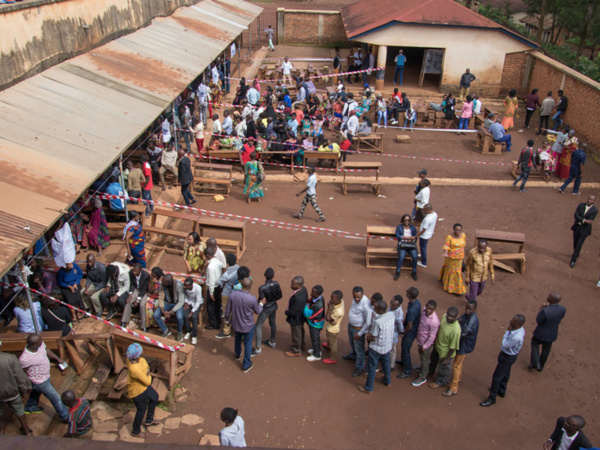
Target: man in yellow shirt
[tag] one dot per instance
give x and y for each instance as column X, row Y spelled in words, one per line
column 139, row 390
column 333, row 318
column 480, row 261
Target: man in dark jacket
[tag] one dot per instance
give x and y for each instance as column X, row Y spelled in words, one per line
column 561, row 108
column 295, row 317
column 546, row 332
column 582, row 228
column 185, row 177
column 569, row 431
column 138, row 289
column 14, row 385
column 271, row 291
column 527, row 159
column 315, row 317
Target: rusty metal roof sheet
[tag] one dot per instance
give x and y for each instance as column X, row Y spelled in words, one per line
column 62, row 128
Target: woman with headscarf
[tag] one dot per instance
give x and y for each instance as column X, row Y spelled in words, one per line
column 139, row 389
column 254, row 173
column 135, row 239
column 95, row 232
column 570, row 146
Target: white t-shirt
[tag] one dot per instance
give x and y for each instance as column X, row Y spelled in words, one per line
column 312, row 184
column 428, row 224
column 287, row 68
column 566, row 440
column 423, row 197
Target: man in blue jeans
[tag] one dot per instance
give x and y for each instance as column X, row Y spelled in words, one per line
column 381, row 341
column 400, row 60
column 174, row 299
column 426, row 232
column 239, row 313
column 578, row 159
column 498, row 133
column 411, row 324
column 35, row 361
column 359, row 320
column 560, row 110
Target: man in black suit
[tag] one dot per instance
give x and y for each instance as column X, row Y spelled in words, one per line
column 185, row 177
column 138, row 289
column 546, row 331
column 567, row 434
column 582, row 228
column 295, row 317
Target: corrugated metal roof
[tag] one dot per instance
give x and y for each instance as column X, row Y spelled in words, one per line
column 62, row 128
column 367, row 15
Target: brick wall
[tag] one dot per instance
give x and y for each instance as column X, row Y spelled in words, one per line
column 312, row 27
column 513, row 73
column 582, row 92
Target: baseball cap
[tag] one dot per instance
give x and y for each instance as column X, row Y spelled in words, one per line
column 422, row 172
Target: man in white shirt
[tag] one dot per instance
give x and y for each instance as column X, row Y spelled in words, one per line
column 214, row 270
column 117, row 287
column 426, row 232
column 168, row 163
column 311, row 196
column 359, row 320
column 253, row 96
column 203, row 99
column 217, row 129
column 215, row 76
column 227, row 123
column 421, row 199
column 219, row 255
column 192, row 308
column 287, row 68
column 351, row 131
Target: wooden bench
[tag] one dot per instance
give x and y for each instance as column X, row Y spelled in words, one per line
column 374, row 142
column 238, row 229
column 540, row 172
column 331, row 91
column 269, row 74
column 321, row 156
column 16, row 342
column 357, row 165
column 383, row 253
column 218, row 175
column 485, row 140
column 166, row 232
column 262, row 70
column 211, row 186
column 505, row 237
column 115, row 229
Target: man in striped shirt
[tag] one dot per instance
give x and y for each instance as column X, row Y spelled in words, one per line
column 80, row 417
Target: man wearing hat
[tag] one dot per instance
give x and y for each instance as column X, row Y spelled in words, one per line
column 139, row 389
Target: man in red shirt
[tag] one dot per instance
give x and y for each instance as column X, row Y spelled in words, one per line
column 147, row 188
column 247, row 150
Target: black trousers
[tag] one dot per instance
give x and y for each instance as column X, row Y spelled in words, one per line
column 213, row 308
column 106, row 303
column 543, row 123
column 73, row 299
column 502, row 374
column 578, row 240
column 315, row 340
column 538, row 361
column 146, row 401
column 528, row 114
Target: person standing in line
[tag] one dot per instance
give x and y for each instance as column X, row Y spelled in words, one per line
column 567, row 435
column 426, row 232
column 333, row 316
column 14, row 386
column 381, row 339
column 546, row 332
column 226, row 283
column 294, row 315
column 239, row 313
column 469, row 328
column 578, row 159
column 421, row 199
column 185, row 177
column 35, row 361
column 446, row 345
column 337, row 64
column 139, row 389
column 359, row 319
column 400, row 61
column 310, row 196
column 465, row 84
column 527, row 159
column 396, row 308
column 270, row 36
column 233, row 433
column 512, row 341
column 582, row 228
column 314, row 313
column 286, row 68
column 214, row 270
column 545, row 113
column 428, row 330
column 480, row 261
column 422, row 175
column 411, row 325
column 532, row 101
column 192, row 308
column 271, row 291
column 148, row 185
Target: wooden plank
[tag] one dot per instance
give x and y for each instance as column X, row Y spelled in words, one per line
column 160, row 388
column 516, row 256
column 74, row 357
column 86, row 336
column 500, row 236
column 119, row 385
column 381, row 230
column 97, row 381
column 504, row 266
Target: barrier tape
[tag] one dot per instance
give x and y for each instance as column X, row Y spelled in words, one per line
column 341, row 74
column 300, row 166
column 278, row 58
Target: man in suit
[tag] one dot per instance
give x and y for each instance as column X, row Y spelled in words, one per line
column 185, row 177
column 582, row 228
column 568, row 435
column 138, row 289
column 295, row 317
column 546, row 331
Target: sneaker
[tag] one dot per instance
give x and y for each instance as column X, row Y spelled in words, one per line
column 561, row 191
column 419, row 382
column 256, row 351
column 310, row 351
column 249, row 368
column 402, row 375
column 194, row 341
column 187, row 336
column 414, row 276
column 598, row 284
column 420, row 264
column 36, row 410
column 356, row 373
column 296, row 216
column 238, row 358
column 329, row 361
column 167, row 333
column 576, row 193
column 179, row 337
column 269, row 343
column 312, row 358
column 320, row 219
column 111, row 314
column 222, row 336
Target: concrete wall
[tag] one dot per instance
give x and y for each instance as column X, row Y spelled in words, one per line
column 483, row 51
column 297, row 27
column 42, row 33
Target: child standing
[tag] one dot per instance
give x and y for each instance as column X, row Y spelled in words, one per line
column 233, row 433
column 314, row 312
column 333, row 316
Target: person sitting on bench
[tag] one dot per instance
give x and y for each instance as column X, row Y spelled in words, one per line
column 499, row 134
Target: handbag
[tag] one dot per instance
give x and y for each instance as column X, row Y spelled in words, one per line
column 408, row 245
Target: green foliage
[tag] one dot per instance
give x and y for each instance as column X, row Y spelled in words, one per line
column 568, row 57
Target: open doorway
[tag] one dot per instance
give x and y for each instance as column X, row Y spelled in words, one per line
column 417, row 60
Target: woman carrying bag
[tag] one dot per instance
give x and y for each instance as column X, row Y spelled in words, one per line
column 406, row 233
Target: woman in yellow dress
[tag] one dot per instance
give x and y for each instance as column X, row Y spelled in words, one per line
column 511, row 104
column 454, row 253
column 193, row 253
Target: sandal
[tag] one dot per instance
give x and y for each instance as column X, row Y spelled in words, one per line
column 449, row 393
column 141, row 435
column 153, row 423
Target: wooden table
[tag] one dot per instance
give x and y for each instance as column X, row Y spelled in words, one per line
column 315, row 154
column 263, row 153
column 374, row 166
column 237, row 245
column 188, row 216
column 206, row 185
column 505, row 237
column 376, row 145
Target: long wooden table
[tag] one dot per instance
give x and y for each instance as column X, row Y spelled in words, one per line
column 372, row 166
column 237, row 245
column 505, row 237
column 315, row 154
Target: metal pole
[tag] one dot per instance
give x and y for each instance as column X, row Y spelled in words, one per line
column 175, row 128
column 239, row 50
column 123, row 186
column 29, row 300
